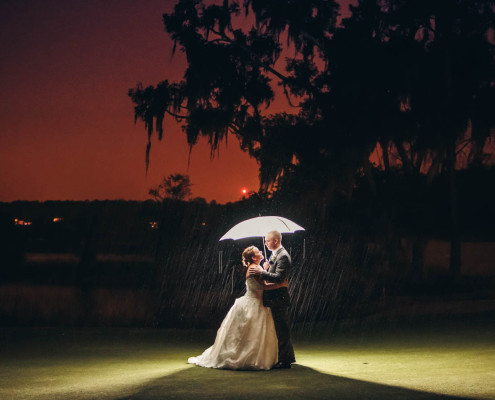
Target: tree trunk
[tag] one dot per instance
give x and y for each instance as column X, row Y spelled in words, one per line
column 369, row 176
column 386, row 160
column 455, row 236
column 418, row 257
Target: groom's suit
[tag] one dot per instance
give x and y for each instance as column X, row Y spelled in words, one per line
column 279, row 301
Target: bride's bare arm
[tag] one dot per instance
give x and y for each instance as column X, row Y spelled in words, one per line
column 271, row 286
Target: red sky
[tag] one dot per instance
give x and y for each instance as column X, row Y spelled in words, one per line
column 66, row 124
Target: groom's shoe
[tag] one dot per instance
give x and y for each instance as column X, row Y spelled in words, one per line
column 281, row 365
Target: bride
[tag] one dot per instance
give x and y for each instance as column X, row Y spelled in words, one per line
column 246, row 338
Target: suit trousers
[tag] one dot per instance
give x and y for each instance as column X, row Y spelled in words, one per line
column 282, row 327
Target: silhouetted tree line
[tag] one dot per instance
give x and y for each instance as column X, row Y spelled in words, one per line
column 344, row 262
column 81, row 229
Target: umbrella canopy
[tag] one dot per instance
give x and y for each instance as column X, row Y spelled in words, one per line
column 260, row 226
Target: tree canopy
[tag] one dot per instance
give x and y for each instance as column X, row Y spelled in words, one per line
column 410, row 81
column 175, row 186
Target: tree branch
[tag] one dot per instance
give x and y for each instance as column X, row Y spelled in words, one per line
column 246, row 49
column 405, row 160
column 176, row 115
column 287, row 96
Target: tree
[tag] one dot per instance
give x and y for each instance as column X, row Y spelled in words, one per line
column 465, row 88
column 175, row 186
column 446, row 90
column 229, row 73
column 411, row 80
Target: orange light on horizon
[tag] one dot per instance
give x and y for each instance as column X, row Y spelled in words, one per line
column 22, row 222
column 153, row 224
column 57, row 219
column 244, row 191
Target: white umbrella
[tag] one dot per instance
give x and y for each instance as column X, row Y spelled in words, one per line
column 260, row 226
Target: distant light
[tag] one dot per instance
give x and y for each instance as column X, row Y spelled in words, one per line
column 57, row 219
column 22, row 222
column 244, row 191
column 203, row 223
column 153, row 224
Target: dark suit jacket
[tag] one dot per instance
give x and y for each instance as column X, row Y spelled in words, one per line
column 279, row 269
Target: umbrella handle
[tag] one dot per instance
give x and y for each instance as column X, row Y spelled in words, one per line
column 264, row 247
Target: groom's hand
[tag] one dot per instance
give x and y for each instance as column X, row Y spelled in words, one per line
column 266, row 265
column 255, row 270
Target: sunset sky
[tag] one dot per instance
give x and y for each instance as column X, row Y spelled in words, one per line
column 66, row 123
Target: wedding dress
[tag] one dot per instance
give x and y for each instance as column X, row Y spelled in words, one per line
column 246, row 338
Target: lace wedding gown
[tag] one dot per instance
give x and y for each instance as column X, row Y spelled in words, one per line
column 246, row 338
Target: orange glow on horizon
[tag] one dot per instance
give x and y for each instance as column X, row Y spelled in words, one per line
column 22, row 222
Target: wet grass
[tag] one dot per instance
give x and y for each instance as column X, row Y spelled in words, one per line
column 430, row 362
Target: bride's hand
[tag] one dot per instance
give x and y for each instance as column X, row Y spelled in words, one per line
column 255, row 270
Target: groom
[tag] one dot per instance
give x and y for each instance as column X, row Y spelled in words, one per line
column 278, row 299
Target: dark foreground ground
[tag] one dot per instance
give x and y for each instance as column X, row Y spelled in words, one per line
column 423, row 359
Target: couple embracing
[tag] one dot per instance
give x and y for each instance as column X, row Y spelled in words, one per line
column 255, row 334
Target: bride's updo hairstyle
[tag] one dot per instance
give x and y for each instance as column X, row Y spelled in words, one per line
column 247, row 256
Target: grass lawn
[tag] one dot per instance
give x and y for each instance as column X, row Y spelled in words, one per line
column 445, row 361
